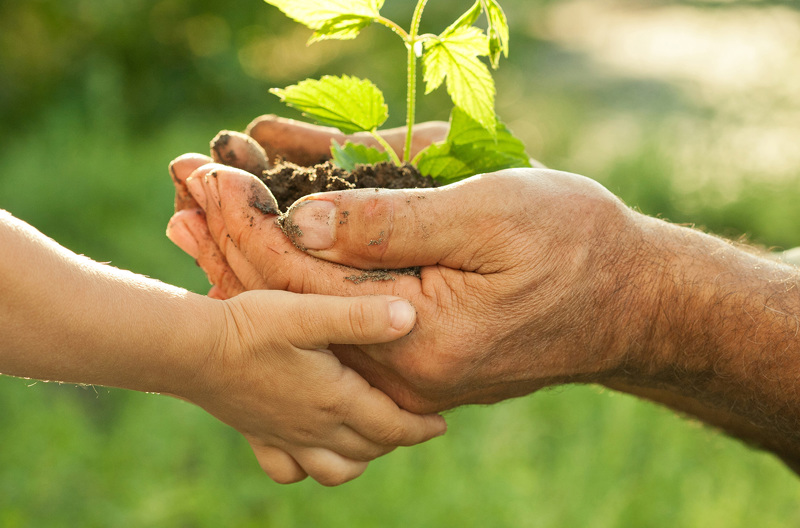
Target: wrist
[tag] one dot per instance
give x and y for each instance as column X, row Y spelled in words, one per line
column 627, row 281
column 190, row 352
column 719, row 320
column 671, row 290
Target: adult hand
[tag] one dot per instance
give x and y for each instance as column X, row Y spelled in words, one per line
column 531, row 278
column 505, row 290
column 269, row 138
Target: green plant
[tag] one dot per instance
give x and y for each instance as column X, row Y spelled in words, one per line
column 477, row 142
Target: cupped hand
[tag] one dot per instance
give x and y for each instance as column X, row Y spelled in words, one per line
column 268, row 139
column 523, row 274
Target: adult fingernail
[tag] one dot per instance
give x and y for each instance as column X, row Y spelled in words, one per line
column 212, row 188
column 401, row 314
column 315, row 222
column 182, row 237
column 195, row 186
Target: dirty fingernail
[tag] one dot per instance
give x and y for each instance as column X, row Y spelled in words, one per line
column 212, row 188
column 182, row 237
column 401, row 314
column 195, row 186
column 316, row 223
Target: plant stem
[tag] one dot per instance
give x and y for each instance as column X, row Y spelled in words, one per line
column 393, row 26
column 387, row 147
column 411, row 95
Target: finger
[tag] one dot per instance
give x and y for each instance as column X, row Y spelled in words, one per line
column 239, row 150
column 328, row 468
column 317, row 321
column 216, row 293
column 351, row 444
column 306, row 144
column 240, row 214
column 278, row 464
column 189, row 231
column 181, row 168
column 357, row 447
column 300, row 143
column 378, row 418
column 460, row 226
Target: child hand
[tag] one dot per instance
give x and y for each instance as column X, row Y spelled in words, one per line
column 303, row 412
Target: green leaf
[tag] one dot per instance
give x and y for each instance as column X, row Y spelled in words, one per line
column 350, row 154
column 453, row 55
column 471, row 149
column 341, row 28
column 465, row 20
column 347, row 103
column 331, row 19
column 497, row 30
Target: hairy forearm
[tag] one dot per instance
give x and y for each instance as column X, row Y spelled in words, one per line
column 723, row 344
column 66, row 318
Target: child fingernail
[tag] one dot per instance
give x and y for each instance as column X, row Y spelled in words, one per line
column 182, row 237
column 313, row 224
column 401, row 314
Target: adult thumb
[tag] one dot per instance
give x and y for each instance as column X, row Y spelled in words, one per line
column 377, row 228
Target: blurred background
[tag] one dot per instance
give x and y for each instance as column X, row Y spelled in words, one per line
column 689, row 110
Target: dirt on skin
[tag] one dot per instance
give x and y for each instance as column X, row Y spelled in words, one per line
column 289, row 182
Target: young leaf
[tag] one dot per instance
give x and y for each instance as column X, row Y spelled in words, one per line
column 497, row 30
column 331, row 19
column 347, row 103
column 341, row 28
column 471, row 149
column 467, row 19
column 350, row 154
column 497, row 27
column 453, row 55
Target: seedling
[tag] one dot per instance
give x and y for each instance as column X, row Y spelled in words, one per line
column 477, row 142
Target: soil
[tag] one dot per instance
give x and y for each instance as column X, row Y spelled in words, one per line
column 289, row 182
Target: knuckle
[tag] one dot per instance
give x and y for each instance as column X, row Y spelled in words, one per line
column 336, row 405
column 361, row 319
column 394, row 434
column 373, row 452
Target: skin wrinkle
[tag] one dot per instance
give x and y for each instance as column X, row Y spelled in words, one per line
column 662, row 308
column 719, row 369
column 379, row 212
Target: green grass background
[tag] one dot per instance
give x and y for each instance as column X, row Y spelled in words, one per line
column 97, row 97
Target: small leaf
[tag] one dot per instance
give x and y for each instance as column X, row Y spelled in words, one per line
column 465, row 20
column 331, row 19
column 497, row 30
column 470, row 149
column 454, row 56
column 440, row 163
column 347, row 103
column 350, row 154
column 345, row 27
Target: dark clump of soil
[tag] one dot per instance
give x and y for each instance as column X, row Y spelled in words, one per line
column 289, row 182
